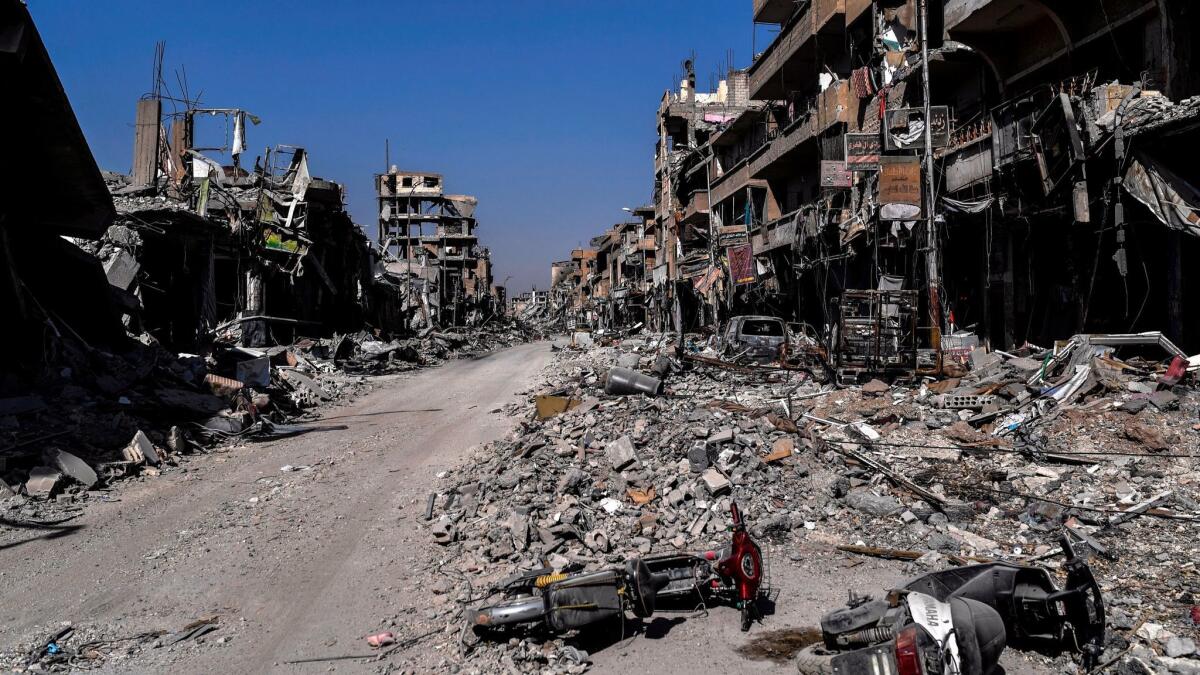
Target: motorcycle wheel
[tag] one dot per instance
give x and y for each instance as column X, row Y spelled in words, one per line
column 814, row 660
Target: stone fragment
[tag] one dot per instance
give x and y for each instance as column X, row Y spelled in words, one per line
column 1149, row 630
column 981, row 359
column 596, row 541
column 676, row 497
column 42, row 481
column 74, row 467
column 1177, row 647
column 875, row 388
column 972, row 540
column 140, row 449
column 697, row 458
column 443, row 530
column 1135, row 405
column 725, row 435
column 1150, row 437
column 621, row 453
column 572, row 481
column 870, row 503
column 716, row 483
column 1164, row 400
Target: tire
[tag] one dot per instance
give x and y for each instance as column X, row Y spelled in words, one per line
column 814, row 660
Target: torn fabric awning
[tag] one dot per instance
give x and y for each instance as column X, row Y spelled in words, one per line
column 960, row 206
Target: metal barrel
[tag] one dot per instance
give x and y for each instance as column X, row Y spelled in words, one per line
column 626, row 382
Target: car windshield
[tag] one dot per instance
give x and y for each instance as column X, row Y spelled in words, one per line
column 762, row 327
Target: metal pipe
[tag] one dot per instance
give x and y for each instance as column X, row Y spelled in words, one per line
column 933, row 273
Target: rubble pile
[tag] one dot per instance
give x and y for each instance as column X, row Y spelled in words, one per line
column 108, row 416
column 990, row 465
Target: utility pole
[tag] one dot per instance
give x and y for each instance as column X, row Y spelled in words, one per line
column 932, row 271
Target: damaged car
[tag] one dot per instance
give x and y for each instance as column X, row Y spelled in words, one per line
column 757, row 338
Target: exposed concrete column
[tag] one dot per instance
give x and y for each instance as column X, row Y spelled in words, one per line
column 145, row 141
column 254, row 332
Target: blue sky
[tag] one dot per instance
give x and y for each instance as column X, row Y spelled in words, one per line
column 544, row 109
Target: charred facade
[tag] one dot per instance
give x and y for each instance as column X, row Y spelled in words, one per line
column 1022, row 169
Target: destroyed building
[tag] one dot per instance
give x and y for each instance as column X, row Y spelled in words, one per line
column 1017, row 172
column 201, row 296
column 269, row 255
column 428, row 239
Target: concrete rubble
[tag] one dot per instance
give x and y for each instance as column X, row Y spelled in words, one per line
column 195, row 301
column 639, row 475
column 917, row 218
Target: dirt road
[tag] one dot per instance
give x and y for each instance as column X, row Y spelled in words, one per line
column 296, row 563
column 303, row 546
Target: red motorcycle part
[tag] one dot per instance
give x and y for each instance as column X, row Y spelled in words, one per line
column 908, row 654
column 744, row 562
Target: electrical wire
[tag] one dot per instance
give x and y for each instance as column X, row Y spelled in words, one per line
column 1015, row 451
column 966, row 486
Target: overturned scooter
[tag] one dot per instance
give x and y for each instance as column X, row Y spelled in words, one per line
column 559, row 602
column 958, row 621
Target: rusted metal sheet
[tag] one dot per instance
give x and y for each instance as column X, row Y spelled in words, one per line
column 900, row 182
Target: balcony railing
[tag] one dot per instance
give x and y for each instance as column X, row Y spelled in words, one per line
column 794, row 49
column 833, row 106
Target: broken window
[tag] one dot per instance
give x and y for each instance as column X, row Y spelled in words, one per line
column 762, row 327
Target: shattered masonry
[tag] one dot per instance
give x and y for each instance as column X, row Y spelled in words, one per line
column 201, row 298
column 1064, row 176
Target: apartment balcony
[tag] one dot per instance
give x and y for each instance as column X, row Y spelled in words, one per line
column 697, row 208
column 774, row 234
column 733, row 181
column 792, row 62
column 1018, row 39
column 779, row 11
column 835, row 105
column 773, row 11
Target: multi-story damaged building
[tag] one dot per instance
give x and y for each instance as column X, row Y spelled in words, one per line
column 683, row 237
column 429, row 238
column 202, row 248
column 985, row 170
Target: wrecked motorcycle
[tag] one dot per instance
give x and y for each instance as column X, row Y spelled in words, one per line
column 958, row 621
column 565, row 601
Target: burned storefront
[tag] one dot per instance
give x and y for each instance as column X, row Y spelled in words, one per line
column 1000, row 172
column 1054, row 184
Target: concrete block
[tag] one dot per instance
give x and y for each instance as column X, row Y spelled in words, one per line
column 621, row 453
